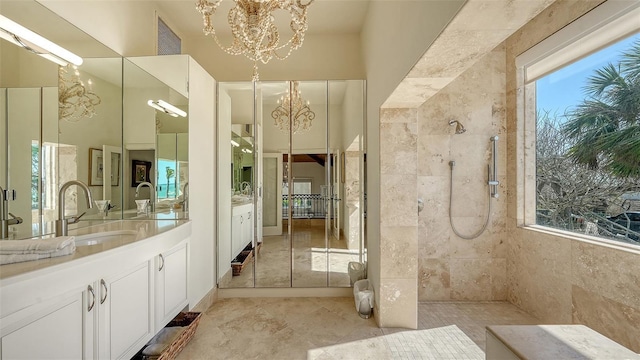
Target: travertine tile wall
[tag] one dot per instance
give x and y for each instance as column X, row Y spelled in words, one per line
column 452, row 268
column 398, row 303
column 560, row 279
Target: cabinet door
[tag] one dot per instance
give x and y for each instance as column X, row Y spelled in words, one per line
column 247, row 230
column 53, row 330
column 171, row 284
column 126, row 322
column 236, row 235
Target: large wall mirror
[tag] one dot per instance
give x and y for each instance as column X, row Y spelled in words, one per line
column 291, row 201
column 156, row 138
column 49, row 134
column 94, row 123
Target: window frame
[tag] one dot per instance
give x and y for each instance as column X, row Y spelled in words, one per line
column 601, row 27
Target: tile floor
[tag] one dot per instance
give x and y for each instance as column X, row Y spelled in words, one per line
column 330, row 328
column 316, row 262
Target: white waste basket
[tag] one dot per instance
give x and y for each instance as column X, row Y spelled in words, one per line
column 356, row 271
column 363, row 296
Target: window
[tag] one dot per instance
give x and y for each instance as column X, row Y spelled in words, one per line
column 585, row 81
column 168, row 42
column 167, row 180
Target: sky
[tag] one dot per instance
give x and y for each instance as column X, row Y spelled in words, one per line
column 563, row 89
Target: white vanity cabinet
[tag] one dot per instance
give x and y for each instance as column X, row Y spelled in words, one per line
column 170, row 284
column 124, row 312
column 104, row 306
column 53, row 329
column 108, row 319
column 241, row 228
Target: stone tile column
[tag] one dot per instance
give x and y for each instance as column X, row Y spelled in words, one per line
column 398, row 298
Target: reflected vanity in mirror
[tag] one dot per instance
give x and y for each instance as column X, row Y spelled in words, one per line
column 291, row 204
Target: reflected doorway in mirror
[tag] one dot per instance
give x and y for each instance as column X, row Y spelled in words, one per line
column 96, row 168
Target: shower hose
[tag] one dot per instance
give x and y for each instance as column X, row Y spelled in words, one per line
column 453, row 227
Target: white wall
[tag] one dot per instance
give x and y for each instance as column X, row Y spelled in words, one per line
column 394, row 36
column 202, row 183
column 321, row 57
column 127, row 27
column 224, row 182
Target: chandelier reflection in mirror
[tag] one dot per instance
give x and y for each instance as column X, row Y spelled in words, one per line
column 302, row 116
column 75, row 100
column 255, row 34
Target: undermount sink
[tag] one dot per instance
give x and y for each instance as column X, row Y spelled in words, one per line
column 106, row 236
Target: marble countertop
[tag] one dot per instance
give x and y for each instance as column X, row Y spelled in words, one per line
column 48, row 228
column 559, row 342
column 143, row 228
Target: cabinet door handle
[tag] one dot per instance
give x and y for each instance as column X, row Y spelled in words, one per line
column 162, row 263
column 93, row 298
column 241, row 220
column 104, row 286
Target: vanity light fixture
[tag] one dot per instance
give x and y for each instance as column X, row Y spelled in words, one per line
column 235, row 144
column 247, row 151
column 167, row 108
column 23, row 37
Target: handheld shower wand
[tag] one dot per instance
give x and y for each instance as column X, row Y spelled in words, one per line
column 492, row 182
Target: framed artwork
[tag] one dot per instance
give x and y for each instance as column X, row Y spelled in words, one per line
column 96, row 168
column 140, row 172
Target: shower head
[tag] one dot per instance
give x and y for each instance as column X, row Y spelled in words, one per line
column 459, row 128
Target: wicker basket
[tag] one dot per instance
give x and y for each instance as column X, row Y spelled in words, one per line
column 188, row 320
column 237, row 266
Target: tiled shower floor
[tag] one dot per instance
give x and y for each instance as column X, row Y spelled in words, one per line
column 330, row 328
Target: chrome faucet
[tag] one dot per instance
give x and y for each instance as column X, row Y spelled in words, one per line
column 245, row 188
column 4, row 213
column 185, row 194
column 152, row 196
column 62, row 223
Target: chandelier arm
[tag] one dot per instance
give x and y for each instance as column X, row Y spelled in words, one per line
column 75, row 101
column 300, row 4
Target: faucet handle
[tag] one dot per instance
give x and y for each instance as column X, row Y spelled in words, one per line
column 75, row 219
column 16, row 219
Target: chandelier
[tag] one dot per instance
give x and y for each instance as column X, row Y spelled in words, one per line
column 75, row 100
column 301, row 113
column 255, row 34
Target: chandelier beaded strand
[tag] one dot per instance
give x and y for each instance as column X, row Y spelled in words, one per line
column 255, row 34
column 301, row 114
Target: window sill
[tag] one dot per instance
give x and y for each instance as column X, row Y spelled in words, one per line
column 592, row 240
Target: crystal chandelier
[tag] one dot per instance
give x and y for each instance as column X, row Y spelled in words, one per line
column 301, row 113
column 255, row 34
column 75, row 100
